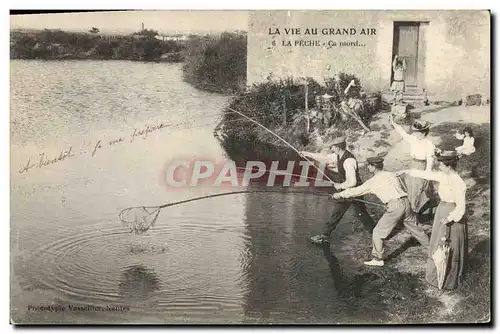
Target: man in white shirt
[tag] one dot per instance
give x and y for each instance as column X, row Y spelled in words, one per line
column 385, row 185
column 347, row 174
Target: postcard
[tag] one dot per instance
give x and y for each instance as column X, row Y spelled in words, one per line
column 250, row 167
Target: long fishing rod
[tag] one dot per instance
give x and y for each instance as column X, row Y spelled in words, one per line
column 298, row 152
column 142, row 218
column 283, row 140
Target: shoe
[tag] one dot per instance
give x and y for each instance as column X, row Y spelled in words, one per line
column 374, row 262
column 320, row 239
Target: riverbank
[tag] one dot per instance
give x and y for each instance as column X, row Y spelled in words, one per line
column 401, row 281
column 214, row 63
column 400, row 285
column 62, row 45
column 302, row 111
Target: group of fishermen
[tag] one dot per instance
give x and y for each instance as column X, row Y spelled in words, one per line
column 405, row 194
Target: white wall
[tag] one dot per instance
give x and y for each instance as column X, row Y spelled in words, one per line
column 457, row 60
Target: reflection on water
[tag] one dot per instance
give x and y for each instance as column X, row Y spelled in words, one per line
column 290, row 278
column 338, row 278
column 66, row 235
column 138, row 283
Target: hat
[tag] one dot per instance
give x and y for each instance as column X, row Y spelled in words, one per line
column 420, row 125
column 447, row 156
column 337, row 140
column 375, row 160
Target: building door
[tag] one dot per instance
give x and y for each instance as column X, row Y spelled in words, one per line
column 408, row 44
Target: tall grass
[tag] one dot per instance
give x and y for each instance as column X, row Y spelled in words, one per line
column 276, row 104
column 217, row 63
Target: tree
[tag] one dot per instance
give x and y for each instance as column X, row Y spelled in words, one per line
column 147, row 32
column 105, row 49
column 217, row 62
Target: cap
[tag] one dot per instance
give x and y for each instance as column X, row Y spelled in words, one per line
column 375, row 160
column 420, row 125
column 447, row 156
column 337, row 140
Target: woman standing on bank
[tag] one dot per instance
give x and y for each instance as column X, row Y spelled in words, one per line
column 422, row 153
column 448, row 221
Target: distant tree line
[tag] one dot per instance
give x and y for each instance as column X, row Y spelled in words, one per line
column 217, row 63
column 57, row 44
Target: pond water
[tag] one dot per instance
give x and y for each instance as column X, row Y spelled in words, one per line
column 235, row 259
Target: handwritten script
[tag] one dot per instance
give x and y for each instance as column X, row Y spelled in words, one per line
column 43, row 160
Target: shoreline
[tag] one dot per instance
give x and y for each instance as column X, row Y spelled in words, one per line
column 105, row 59
column 408, row 298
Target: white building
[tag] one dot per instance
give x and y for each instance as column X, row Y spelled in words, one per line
column 447, row 52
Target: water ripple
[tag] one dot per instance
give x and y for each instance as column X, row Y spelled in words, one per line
column 97, row 266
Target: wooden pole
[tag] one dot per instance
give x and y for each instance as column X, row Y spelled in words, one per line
column 352, row 112
column 284, row 109
column 306, row 93
column 346, row 110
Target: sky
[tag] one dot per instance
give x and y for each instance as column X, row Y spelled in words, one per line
column 128, row 22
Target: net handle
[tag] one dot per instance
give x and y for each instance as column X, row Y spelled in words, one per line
column 246, row 192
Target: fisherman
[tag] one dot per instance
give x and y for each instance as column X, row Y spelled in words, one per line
column 386, row 186
column 348, row 177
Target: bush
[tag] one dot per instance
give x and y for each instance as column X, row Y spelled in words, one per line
column 217, row 63
column 265, row 103
column 343, row 80
column 279, row 104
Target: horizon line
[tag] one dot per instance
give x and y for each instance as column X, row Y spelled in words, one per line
column 127, row 31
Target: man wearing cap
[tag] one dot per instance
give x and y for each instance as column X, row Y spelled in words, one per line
column 348, row 177
column 385, row 185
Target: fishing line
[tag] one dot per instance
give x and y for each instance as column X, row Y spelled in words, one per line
column 187, row 126
column 283, row 140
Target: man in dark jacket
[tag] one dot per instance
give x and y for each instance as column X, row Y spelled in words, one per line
column 348, row 177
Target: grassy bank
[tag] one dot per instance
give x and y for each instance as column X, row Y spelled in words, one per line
column 280, row 105
column 217, row 63
column 396, row 293
column 57, row 44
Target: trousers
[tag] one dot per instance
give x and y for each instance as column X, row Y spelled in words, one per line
column 339, row 209
column 397, row 210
